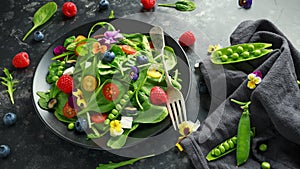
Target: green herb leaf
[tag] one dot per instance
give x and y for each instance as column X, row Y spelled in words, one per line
column 181, row 5
column 123, row 163
column 41, row 16
column 9, row 83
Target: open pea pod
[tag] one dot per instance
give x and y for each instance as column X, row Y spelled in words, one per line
column 240, row 53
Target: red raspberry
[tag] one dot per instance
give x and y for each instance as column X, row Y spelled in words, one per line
column 21, row 60
column 187, row 39
column 158, row 96
column 65, row 84
column 69, row 9
column 148, row 4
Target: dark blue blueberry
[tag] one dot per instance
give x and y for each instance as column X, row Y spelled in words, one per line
column 245, row 3
column 103, row 4
column 108, row 56
column 38, row 36
column 142, row 59
column 134, row 73
column 9, row 119
column 4, row 151
column 81, row 125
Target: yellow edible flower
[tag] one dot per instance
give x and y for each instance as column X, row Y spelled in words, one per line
column 253, row 80
column 115, row 128
column 185, row 129
column 154, row 74
column 212, row 48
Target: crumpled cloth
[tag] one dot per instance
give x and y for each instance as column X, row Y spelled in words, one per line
column 274, row 108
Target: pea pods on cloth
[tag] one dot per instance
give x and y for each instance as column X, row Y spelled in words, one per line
column 274, row 109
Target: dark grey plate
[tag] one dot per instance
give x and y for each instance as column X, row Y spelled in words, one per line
column 144, row 131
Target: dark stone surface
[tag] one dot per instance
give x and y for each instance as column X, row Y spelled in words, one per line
column 32, row 143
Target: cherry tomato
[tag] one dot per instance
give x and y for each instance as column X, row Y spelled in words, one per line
column 68, row 111
column 98, row 117
column 110, row 91
column 128, row 49
column 148, row 4
column 69, row 9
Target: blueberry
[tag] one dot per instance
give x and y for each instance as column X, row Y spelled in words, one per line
column 81, row 125
column 142, row 59
column 4, row 151
column 134, row 73
column 38, row 36
column 108, row 56
column 9, row 119
column 103, row 4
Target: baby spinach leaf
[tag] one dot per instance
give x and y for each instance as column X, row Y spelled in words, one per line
column 119, row 141
column 42, row 15
column 181, row 5
column 152, row 114
column 123, row 163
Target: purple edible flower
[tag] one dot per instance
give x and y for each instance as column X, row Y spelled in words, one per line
column 59, row 50
column 258, row 73
column 113, row 36
column 134, row 73
column 245, row 3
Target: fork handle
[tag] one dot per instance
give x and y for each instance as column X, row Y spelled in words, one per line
column 168, row 79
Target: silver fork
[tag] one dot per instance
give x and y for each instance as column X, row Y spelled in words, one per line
column 175, row 102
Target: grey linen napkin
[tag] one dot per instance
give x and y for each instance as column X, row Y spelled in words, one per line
column 275, row 107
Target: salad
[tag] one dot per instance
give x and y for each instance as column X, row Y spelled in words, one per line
column 108, row 84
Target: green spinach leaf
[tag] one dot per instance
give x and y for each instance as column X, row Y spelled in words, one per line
column 119, row 141
column 42, row 15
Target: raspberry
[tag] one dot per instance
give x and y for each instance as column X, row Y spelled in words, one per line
column 158, row 96
column 148, row 4
column 69, row 9
column 21, row 60
column 187, row 39
column 65, row 84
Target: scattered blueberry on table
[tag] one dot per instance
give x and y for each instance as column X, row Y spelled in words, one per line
column 38, row 36
column 4, row 151
column 9, row 119
column 103, row 4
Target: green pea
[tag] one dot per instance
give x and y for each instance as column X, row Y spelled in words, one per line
column 250, row 47
column 52, row 72
column 226, row 146
column 115, row 112
column 62, row 63
column 235, row 56
column 60, row 68
column 107, row 121
column 265, row 165
column 111, row 116
column 230, row 143
column 234, row 139
column 219, row 53
column 224, row 58
column 71, row 126
column 257, row 52
column 239, row 49
column 55, row 78
column 222, row 149
column 53, row 64
column 263, row 147
column 213, row 152
column 126, row 97
column 130, row 93
column 59, row 73
column 245, row 54
column 229, row 51
column 217, row 152
column 123, row 101
column 118, row 107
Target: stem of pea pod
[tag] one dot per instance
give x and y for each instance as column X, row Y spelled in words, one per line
column 167, row 5
column 242, row 104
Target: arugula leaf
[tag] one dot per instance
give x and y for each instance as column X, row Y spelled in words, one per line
column 123, row 163
column 9, row 83
column 119, row 141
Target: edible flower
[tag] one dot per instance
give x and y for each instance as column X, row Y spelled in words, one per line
column 59, row 50
column 110, row 37
column 97, row 47
column 254, row 79
column 185, row 129
column 212, row 48
column 115, row 128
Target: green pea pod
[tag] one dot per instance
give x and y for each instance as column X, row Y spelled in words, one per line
column 240, row 53
column 181, row 5
column 231, row 142
column 243, row 138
